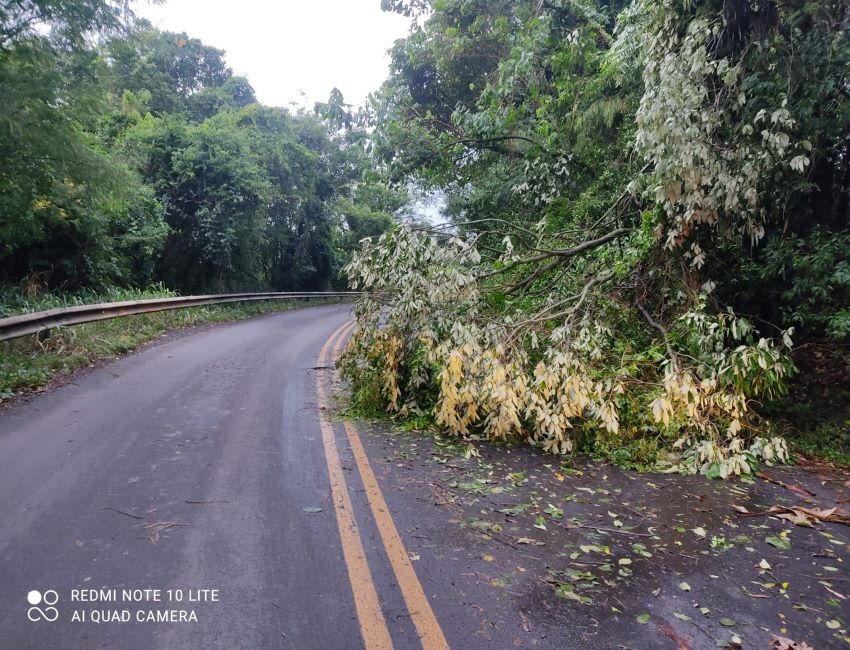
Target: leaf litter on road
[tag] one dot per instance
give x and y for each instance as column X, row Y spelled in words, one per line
column 799, row 515
column 683, row 532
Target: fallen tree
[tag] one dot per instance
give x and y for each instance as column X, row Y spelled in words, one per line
column 618, row 176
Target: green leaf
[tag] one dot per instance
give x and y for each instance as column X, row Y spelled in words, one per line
column 778, row 542
column 554, row 511
column 643, row 619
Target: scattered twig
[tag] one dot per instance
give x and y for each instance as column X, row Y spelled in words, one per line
column 158, row 527
column 826, row 578
column 743, row 588
column 681, row 644
column 492, row 535
column 833, row 592
column 788, row 486
column 443, row 497
column 126, row 514
column 599, row 529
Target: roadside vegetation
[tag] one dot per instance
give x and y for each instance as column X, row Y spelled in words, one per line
column 647, row 254
column 31, row 362
column 133, row 157
column 644, row 250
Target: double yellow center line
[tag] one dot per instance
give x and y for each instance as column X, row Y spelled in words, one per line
column 373, row 624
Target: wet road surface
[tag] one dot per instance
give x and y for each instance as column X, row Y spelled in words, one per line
column 209, row 470
column 196, row 464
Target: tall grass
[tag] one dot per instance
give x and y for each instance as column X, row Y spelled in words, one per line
column 14, row 300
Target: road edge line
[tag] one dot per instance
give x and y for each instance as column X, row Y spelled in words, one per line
column 370, row 616
column 429, row 630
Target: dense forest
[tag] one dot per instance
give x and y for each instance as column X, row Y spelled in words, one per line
column 650, row 242
column 644, row 250
column 130, row 155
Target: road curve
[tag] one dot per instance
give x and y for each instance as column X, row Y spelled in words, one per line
column 195, row 464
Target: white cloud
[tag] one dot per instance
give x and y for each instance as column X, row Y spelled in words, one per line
column 290, row 47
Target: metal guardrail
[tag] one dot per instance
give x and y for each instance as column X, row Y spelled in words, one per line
column 33, row 323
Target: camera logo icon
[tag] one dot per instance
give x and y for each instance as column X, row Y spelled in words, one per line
column 42, row 606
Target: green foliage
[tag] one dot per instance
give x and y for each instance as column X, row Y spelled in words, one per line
column 22, row 300
column 178, row 74
column 826, row 439
column 367, row 213
column 807, row 279
column 639, row 179
column 70, row 213
column 130, row 155
column 70, row 22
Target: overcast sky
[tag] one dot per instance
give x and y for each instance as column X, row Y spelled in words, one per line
column 290, row 47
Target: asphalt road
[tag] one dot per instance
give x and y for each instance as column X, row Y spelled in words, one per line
column 208, row 468
column 196, row 464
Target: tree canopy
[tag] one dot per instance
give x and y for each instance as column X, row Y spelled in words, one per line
column 132, row 155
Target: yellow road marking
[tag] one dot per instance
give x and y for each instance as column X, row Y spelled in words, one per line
column 373, row 626
column 430, row 633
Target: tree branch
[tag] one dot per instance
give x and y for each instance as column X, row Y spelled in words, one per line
column 483, row 142
column 565, row 253
column 664, row 334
